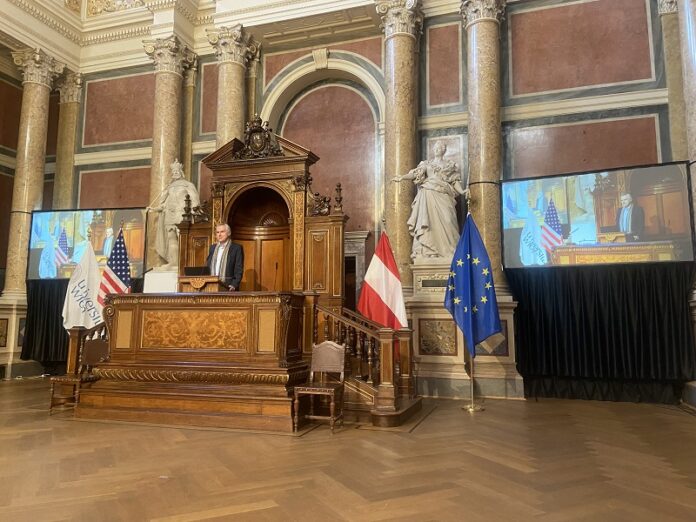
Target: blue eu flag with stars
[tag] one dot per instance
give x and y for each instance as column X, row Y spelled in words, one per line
column 470, row 296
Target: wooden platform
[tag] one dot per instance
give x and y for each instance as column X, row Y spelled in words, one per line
column 550, row 460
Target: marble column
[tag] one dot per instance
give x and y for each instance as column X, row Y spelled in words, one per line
column 402, row 22
column 673, row 71
column 171, row 57
column 39, row 71
column 187, row 123
column 70, row 88
column 234, row 48
column 687, row 29
column 252, row 72
column 482, row 20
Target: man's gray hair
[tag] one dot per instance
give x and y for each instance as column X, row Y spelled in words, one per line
column 227, row 227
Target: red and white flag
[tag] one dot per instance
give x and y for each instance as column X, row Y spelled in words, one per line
column 381, row 296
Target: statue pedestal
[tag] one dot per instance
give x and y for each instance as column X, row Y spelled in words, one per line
column 440, row 356
column 161, row 282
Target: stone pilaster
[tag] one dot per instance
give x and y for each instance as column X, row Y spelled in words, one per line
column 234, row 47
column 70, row 87
column 252, row 72
column 482, row 21
column 187, row 123
column 673, row 71
column 171, row 58
column 39, row 71
column 402, row 22
column 687, row 29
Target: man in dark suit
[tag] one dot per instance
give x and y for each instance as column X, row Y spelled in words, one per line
column 226, row 259
column 630, row 219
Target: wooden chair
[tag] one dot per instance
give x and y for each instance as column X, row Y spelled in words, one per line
column 65, row 389
column 327, row 358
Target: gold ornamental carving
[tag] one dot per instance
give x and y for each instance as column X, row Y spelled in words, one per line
column 70, row 87
column 96, row 7
column 37, row 66
column 667, row 6
column 169, row 55
column 73, row 5
column 400, row 17
column 195, row 329
column 233, row 44
column 477, row 10
column 192, row 376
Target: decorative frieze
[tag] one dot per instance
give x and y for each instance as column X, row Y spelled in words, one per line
column 233, row 44
column 96, row 7
column 73, row 5
column 70, row 87
column 169, row 54
column 400, row 17
column 476, row 10
column 667, row 6
column 37, row 66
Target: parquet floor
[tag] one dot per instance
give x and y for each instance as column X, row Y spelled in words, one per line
column 547, row 460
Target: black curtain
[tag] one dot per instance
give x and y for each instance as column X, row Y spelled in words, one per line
column 45, row 339
column 620, row 332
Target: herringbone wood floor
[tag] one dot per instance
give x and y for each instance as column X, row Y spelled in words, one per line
column 547, row 460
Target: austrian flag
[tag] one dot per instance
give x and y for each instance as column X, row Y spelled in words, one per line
column 381, row 296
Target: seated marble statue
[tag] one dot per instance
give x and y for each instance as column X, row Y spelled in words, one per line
column 433, row 220
column 171, row 209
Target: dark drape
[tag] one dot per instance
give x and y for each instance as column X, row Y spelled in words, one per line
column 45, row 339
column 619, row 332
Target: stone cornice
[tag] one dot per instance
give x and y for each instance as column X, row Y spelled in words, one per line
column 233, row 44
column 667, row 6
column 477, row 10
column 70, row 87
column 400, row 17
column 37, row 66
column 169, row 55
column 51, row 19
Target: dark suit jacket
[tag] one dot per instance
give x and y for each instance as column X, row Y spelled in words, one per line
column 637, row 220
column 235, row 265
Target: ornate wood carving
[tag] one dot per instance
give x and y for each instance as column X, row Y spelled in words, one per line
column 259, row 141
column 204, row 377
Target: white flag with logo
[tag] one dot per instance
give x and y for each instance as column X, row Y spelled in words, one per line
column 81, row 307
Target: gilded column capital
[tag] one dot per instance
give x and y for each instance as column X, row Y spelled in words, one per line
column 169, row 54
column 37, row 66
column 70, row 87
column 190, row 73
column 667, row 6
column 400, row 17
column 233, row 44
column 476, row 10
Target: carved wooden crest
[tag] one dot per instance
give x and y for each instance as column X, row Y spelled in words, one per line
column 259, row 141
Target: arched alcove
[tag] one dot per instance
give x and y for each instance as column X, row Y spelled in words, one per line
column 260, row 223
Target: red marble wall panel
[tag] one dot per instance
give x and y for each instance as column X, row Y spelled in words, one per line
column 370, row 49
column 444, row 65
column 119, row 109
column 543, row 151
column 204, row 177
column 272, row 64
column 580, row 44
column 10, row 108
column 117, row 188
column 337, row 124
column 209, row 84
column 6, row 183
column 52, row 135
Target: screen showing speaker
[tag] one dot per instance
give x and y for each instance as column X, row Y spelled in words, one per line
column 630, row 215
column 59, row 239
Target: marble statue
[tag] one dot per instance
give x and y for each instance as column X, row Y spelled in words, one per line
column 433, row 220
column 171, row 209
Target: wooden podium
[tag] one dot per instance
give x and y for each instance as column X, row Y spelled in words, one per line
column 206, row 284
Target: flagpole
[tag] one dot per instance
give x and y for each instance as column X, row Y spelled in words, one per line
column 473, row 407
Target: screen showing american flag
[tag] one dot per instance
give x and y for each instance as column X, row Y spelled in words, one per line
column 116, row 278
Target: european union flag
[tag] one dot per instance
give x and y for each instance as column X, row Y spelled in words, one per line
column 470, row 296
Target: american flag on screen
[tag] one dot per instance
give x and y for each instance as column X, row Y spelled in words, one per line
column 61, row 253
column 551, row 231
column 116, row 277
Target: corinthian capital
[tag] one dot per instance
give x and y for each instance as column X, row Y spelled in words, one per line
column 70, row 87
column 667, row 6
column 169, row 54
column 400, row 17
column 233, row 44
column 37, row 66
column 476, row 10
